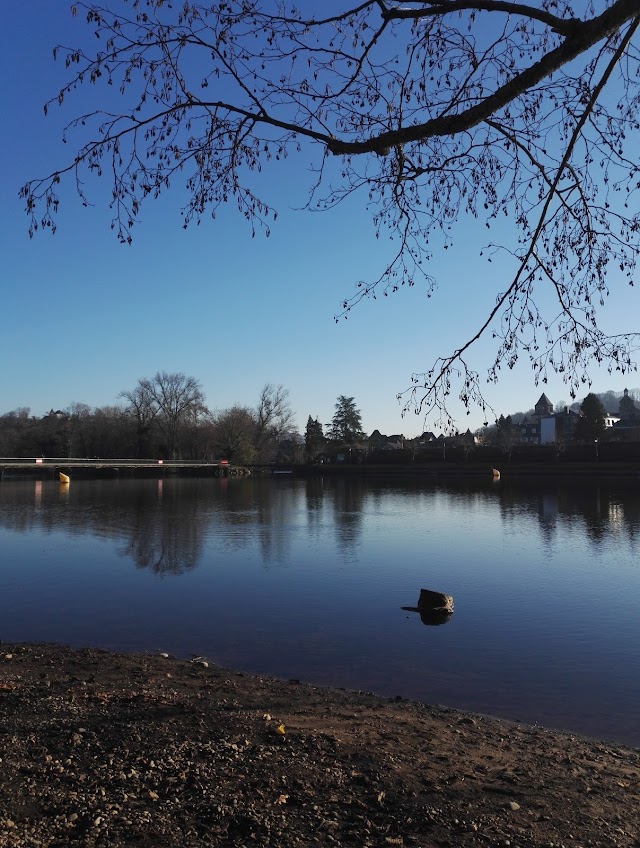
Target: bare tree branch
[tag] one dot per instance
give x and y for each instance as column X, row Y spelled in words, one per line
column 436, row 110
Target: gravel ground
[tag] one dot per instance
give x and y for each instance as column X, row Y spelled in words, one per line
column 102, row 749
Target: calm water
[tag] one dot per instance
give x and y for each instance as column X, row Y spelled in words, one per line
column 306, row 579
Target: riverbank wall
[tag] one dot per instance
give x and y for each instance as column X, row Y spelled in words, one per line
column 87, row 469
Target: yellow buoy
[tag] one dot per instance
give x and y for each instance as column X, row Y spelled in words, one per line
column 64, row 478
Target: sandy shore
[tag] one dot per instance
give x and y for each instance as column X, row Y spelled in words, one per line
column 102, row 749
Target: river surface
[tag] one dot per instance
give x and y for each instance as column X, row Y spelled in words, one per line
column 307, row 579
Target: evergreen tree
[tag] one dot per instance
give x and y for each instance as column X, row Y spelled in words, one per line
column 504, row 425
column 592, row 423
column 314, row 439
column 346, row 424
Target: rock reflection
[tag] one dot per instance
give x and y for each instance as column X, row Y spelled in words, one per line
column 434, row 618
column 435, row 608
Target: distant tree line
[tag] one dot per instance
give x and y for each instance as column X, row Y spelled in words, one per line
column 164, row 416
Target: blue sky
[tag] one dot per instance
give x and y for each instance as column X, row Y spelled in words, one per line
column 84, row 317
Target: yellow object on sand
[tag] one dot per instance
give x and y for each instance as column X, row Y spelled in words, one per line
column 64, row 478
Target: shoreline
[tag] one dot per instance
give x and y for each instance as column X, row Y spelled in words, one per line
column 433, row 469
column 112, row 749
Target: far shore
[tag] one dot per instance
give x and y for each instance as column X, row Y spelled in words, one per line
column 428, row 471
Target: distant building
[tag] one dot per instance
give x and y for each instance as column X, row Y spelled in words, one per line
column 427, row 437
column 529, row 430
column 545, row 426
column 628, row 413
column 558, row 426
column 544, row 407
column 469, row 438
column 627, row 425
column 377, row 440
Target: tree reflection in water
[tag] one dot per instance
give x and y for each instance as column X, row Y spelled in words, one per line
column 165, row 529
column 355, row 551
column 162, row 525
column 605, row 507
column 349, row 496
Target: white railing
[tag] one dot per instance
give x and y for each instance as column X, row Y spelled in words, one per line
column 96, row 460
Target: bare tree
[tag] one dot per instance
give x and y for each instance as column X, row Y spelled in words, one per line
column 78, row 425
column 143, row 407
column 234, row 434
column 111, row 432
column 273, row 418
column 14, row 429
column 436, row 110
column 195, row 427
column 176, row 396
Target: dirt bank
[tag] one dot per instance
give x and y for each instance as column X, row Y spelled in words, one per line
column 101, row 749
